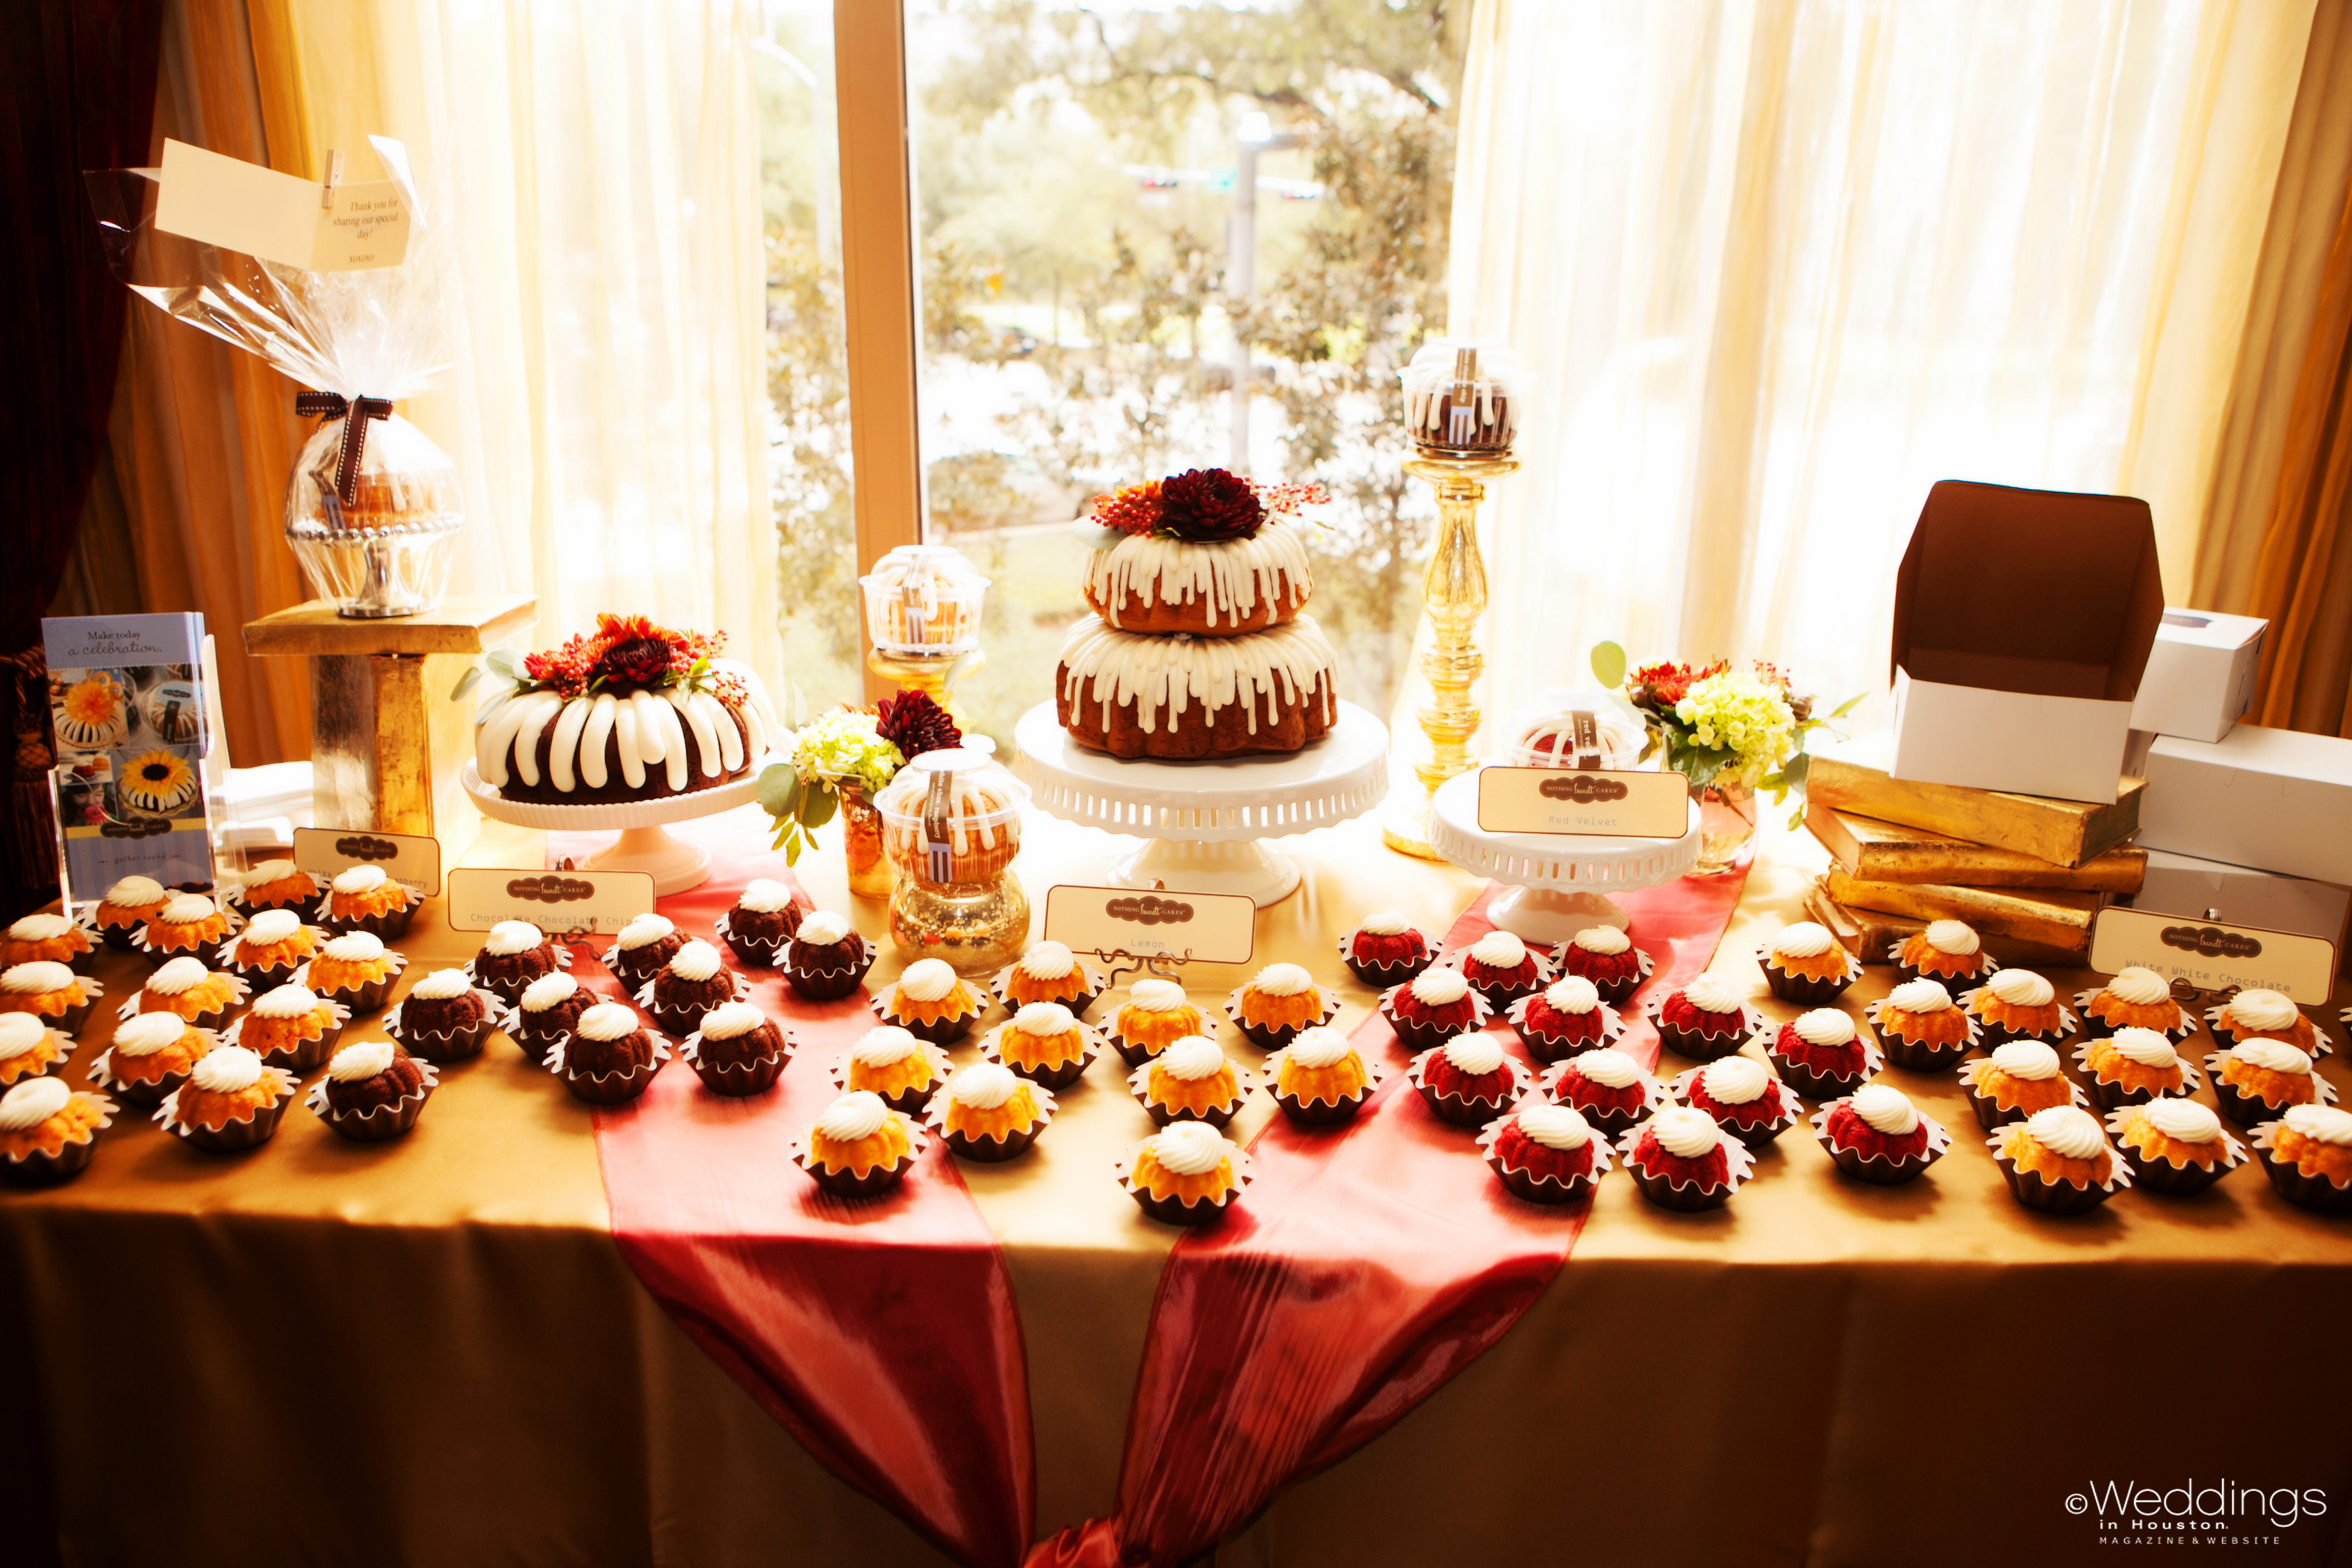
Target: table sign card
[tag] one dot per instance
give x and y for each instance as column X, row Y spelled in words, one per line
column 1198, row 928
column 2214, row 957
column 345, row 228
column 409, row 858
column 1582, row 804
column 128, row 707
column 558, row 902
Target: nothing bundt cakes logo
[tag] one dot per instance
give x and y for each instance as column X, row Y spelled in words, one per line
column 362, row 846
column 1149, row 911
column 146, row 827
column 1584, row 789
column 550, row 890
column 2211, row 942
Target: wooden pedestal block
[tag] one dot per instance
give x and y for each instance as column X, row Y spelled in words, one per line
column 387, row 741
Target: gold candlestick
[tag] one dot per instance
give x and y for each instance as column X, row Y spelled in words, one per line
column 1455, row 593
column 932, row 674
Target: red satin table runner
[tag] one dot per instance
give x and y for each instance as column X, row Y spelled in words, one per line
column 1361, row 1270
column 880, row 1334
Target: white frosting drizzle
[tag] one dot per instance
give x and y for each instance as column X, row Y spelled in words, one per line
column 2026, row 1060
column 1157, row 995
column 649, row 729
column 1824, row 1027
column 144, row 1034
column 731, row 1020
column 1193, row 1058
column 644, row 931
column 511, row 937
column 187, row 910
column 41, row 927
column 1166, row 677
column 135, row 892
column 1608, row 1067
column 1685, row 1133
column 32, row 1102
column 1602, row 939
column 1387, row 922
column 1713, row 993
column 764, row 896
column 1319, row 1047
column 178, row 976
column 1806, row 939
column 1190, row 1148
column 2020, row 988
column 886, row 1046
column 1044, row 1020
column 607, row 1021
column 355, row 1063
column 2139, row 987
column 984, row 1086
column 1572, row 994
column 2184, row 1119
column 2273, row 1056
column 442, row 984
column 286, row 1002
column 1734, row 1080
column 2325, row 1124
column 1955, row 938
column 1921, row 996
column 227, row 1069
column 2266, row 1012
column 1885, row 1108
column 1499, row 950
column 37, row 978
column 1477, row 1053
column 547, row 990
column 1048, row 960
column 1281, row 980
column 1229, row 578
column 19, row 1033
column 823, row 928
column 2068, row 1132
column 926, row 980
column 855, row 1117
column 1439, row 987
column 268, row 929
column 1554, row 1126
column 356, row 947
column 2146, row 1047
column 697, row 961
column 360, row 879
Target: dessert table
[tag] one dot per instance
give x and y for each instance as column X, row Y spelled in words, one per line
column 433, row 1351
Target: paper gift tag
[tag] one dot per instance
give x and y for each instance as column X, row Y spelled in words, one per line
column 297, row 222
column 1197, row 928
column 2214, row 957
column 561, row 903
column 1583, row 804
column 408, row 858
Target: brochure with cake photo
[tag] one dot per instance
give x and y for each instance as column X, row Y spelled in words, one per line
column 127, row 704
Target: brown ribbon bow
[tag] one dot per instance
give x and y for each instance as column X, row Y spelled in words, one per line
column 332, row 406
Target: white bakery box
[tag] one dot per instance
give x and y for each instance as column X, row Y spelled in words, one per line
column 2239, row 896
column 2022, row 624
column 2200, row 674
column 2275, row 800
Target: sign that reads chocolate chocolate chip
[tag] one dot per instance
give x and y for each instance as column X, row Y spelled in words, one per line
column 598, row 902
column 1580, row 802
column 1201, row 928
column 411, row 858
column 2211, row 956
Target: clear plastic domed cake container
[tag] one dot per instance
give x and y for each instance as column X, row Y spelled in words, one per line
column 924, row 599
column 386, row 552
column 1462, row 397
column 950, row 829
column 1561, row 729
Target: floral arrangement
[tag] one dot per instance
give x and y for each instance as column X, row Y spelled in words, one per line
column 1204, row 506
column 860, row 747
column 1721, row 726
column 622, row 654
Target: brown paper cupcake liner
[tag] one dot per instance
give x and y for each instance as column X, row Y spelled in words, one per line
column 1059, row 1077
column 1093, row 986
column 2217, row 1023
column 1786, row 1114
column 1319, row 1112
column 1549, row 1049
column 122, row 938
column 637, row 965
column 377, row 1123
column 1990, row 1035
column 1500, row 995
column 2184, row 1023
column 534, row 1045
column 755, row 952
column 1807, row 990
column 1611, row 1120
column 2248, row 1110
column 208, row 952
column 984, row 1149
column 1704, row 1045
column 911, row 1101
column 611, row 1088
column 1418, row 1035
column 247, row 908
column 937, row 1031
column 1395, row 972
column 1171, row 1210
column 303, row 1056
column 1920, row 1055
column 1138, row 1084
column 2170, row 1179
column 1875, row 1168
column 738, row 1080
column 1617, row 991
column 2314, row 1193
column 2107, row 1095
column 447, row 1044
column 872, row 1184
column 1271, row 1037
column 509, row 991
column 1460, row 1110
column 1689, row 1197
column 826, row 984
column 234, row 1137
column 1982, row 970
column 1815, row 1083
column 260, row 977
column 1541, row 1188
column 144, row 1093
column 2050, row 1198
column 1135, row 1053
column 679, row 1022
column 361, row 999
column 390, row 925
column 42, row 1169
column 1992, row 1115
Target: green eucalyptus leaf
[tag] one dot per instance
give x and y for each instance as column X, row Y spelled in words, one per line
column 818, row 806
column 779, row 790
column 1609, row 665
column 466, row 682
column 1797, row 769
column 1849, row 705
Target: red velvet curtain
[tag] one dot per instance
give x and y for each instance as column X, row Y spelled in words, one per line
column 76, row 91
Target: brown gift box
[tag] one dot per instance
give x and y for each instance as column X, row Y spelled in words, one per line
column 1869, row 850
column 2052, row 918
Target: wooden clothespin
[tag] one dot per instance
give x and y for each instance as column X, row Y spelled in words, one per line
column 334, row 178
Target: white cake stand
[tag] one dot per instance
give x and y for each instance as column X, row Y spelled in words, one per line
column 1207, row 821
column 643, row 846
column 1560, row 884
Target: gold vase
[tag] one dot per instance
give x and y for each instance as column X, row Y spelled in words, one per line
column 861, row 844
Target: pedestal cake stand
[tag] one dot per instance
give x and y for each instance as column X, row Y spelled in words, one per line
column 1207, row 820
column 643, row 846
column 1559, row 884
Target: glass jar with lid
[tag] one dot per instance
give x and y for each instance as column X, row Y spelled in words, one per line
column 1462, row 397
column 950, row 828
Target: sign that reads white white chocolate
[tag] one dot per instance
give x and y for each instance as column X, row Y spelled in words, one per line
column 2214, row 957
column 558, row 902
column 238, row 205
column 1199, row 928
column 411, row 858
column 1576, row 803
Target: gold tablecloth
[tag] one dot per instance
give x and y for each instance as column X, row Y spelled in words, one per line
column 432, row 1352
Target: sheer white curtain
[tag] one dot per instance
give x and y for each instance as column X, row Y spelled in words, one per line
column 609, row 403
column 1780, row 268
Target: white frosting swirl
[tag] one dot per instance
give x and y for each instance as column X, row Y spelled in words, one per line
column 1193, row 1058
column 1573, row 995
column 855, row 1116
column 1714, row 994
column 144, row 1034
column 227, row 1069
column 1554, row 1126
column 2263, row 1012
column 1806, row 939
column 1955, row 939
column 547, row 990
column 1477, row 1054
column 1885, row 1108
column 354, row 1064
column 1190, row 1148
column 1498, row 950
column 764, row 896
column 442, row 984
column 2273, row 1056
column 823, row 928
column 645, row 931
column 2323, row 1123
column 19, row 1033
column 268, row 871
column 1044, row 1020
column 1734, row 1080
column 1823, row 1026
column 2146, row 1047
column 695, row 962
column 187, row 910
column 41, row 927
column 607, row 1021
column 984, row 1086
column 886, row 1046
column 37, row 978
column 1608, row 1067
column 2068, row 1132
column 2139, row 987
column 287, row 1001
column 1281, row 980
column 356, row 947
column 2020, row 988
column 269, row 928
column 731, row 1020
column 1439, row 987
column 926, row 980
column 135, row 892
column 1048, row 960
column 1602, row 939
column 178, row 976
column 1921, row 996
column 2026, row 1060
column 32, row 1102
column 511, row 937
column 1157, row 995
column 1387, row 922
column 2183, row 1120
column 360, row 879
column 1685, row 1132
column 1320, row 1046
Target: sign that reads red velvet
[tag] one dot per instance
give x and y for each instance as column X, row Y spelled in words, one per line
column 1201, row 928
column 1583, row 803
column 562, row 904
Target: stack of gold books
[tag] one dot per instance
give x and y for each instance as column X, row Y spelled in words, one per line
column 2029, row 873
